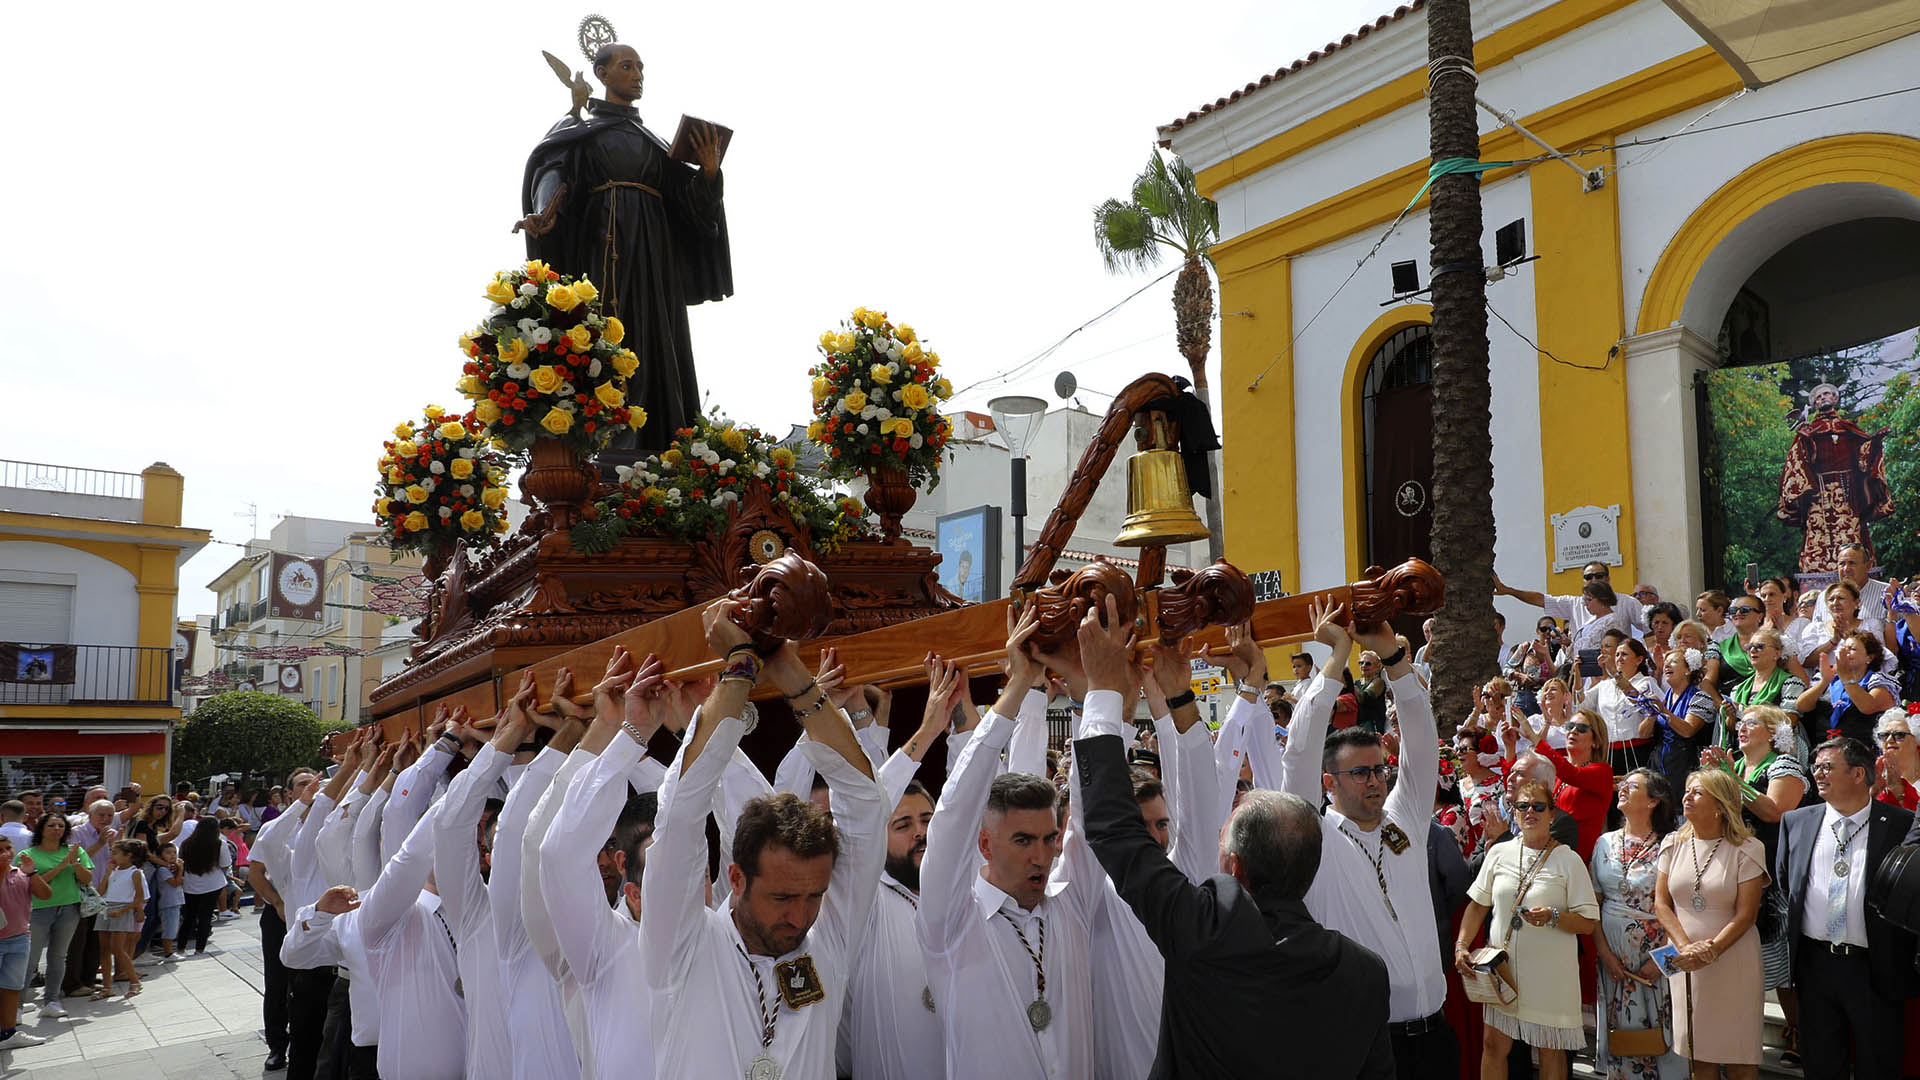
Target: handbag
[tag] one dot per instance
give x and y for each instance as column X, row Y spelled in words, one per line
column 1491, row 981
column 1772, row 918
column 1634, row 1042
column 91, row 902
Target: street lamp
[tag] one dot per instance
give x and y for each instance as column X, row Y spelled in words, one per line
column 1017, row 419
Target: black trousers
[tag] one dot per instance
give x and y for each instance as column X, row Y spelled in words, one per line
column 276, row 995
column 83, row 956
column 340, row 1059
column 196, row 919
column 307, row 1019
column 1433, row 1054
column 1838, row 1008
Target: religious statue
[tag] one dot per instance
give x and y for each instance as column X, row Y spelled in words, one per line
column 605, row 198
column 1834, row 482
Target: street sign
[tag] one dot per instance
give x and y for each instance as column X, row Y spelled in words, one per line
column 1205, row 685
column 1266, row 585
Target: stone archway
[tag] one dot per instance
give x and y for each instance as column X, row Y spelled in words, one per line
column 1791, row 197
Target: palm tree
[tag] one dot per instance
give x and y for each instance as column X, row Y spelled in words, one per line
column 1168, row 212
column 1463, row 524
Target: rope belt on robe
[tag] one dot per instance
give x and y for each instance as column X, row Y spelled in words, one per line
column 611, row 259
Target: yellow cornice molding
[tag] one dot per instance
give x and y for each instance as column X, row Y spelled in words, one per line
column 1489, row 52
column 120, row 531
column 1671, row 86
column 1870, row 158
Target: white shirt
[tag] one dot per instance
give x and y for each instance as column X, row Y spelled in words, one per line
column 463, row 904
column 1826, row 847
column 21, row 836
column 215, row 879
column 708, row 1017
column 601, row 944
column 333, row 847
column 982, row 976
column 1346, row 894
column 887, row 1032
column 1622, row 716
column 1588, row 628
column 536, row 995
column 1873, row 603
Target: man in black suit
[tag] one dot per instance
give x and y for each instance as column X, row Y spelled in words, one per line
column 1854, row 969
column 1254, row 987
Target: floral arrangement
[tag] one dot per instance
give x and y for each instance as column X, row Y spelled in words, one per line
column 876, row 395
column 547, row 364
column 440, row 483
column 685, row 490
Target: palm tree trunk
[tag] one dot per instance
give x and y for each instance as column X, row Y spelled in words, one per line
column 1193, row 321
column 1463, row 524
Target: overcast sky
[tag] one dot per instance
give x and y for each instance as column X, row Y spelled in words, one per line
column 242, row 239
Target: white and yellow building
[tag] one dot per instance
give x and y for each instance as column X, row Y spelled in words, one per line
column 89, row 577
column 1798, row 198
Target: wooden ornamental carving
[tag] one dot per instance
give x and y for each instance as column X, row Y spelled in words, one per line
column 786, row 599
column 1217, row 595
column 1412, row 588
column 1061, row 605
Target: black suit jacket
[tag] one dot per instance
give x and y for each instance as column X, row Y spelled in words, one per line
column 1890, row 950
column 1254, row 987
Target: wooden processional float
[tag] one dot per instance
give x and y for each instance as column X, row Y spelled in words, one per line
column 791, row 597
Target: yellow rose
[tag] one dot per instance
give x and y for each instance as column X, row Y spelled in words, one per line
column 652, row 494
column 395, row 476
column 415, row 521
column 899, row 425
column 843, row 343
column 625, row 363
column 487, row 412
column 545, row 379
column 468, row 385
column 855, row 401
column 453, row 431
column 782, row 456
column 585, row 290
column 473, row 521
column 817, row 431
column 435, row 412
column 904, row 333
column 536, row 270
column 500, row 525
column 403, row 431
column 466, row 343
column 416, row 494
column 499, row 292
column 870, row 319
column 821, row 387
column 562, row 297
column 636, row 417
column 880, row 374
column 460, row 468
column 514, row 351
column 558, row 421
column 495, row 497
column 914, row 396
column 933, row 359
column 735, row 439
column 609, row 395
column 614, row 332
column 405, row 449
column 942, row 389
column 580, row 337
column 912, row 353
column 383, row 507
column 827, row 341
column 672, row 456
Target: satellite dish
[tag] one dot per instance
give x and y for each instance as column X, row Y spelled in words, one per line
column 1064, row 384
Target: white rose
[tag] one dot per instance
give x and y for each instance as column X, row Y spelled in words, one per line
column 698, row 449
column 446, row 511
column 519, row 302
column 862, row 429
column 564, row 406
column 528, row 288
column 518, row 371
column 528, row 326
column 467, row 452
column 761, row 469
column 429, row 483
column 624, row 472
column 540, row 335
column 437, row 468
column 566, row 389
column 593, row 369
column 467, row 490
column 717, row 501
column 915, row 442
column 495, row 309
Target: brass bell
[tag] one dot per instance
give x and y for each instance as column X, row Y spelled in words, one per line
column 1159, row 502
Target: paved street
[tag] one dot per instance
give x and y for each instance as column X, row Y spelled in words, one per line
column 197, row 1019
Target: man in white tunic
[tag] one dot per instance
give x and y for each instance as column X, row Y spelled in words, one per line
column 755, row 990
column 1373, row 884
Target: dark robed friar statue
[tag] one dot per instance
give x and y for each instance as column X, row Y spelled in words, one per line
column 603, row 199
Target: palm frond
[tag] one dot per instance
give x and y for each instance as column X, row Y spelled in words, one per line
column 1165, row 207
column 1124, row 234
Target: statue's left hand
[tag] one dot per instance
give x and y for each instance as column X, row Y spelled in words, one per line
column 706, row 150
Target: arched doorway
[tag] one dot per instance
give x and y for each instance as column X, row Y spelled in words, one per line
column 1396, row 409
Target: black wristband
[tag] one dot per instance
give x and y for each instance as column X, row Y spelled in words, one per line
column 1398, row 655
column 1184, row 697
column 745, row 646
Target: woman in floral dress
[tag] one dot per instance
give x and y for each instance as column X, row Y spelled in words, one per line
column 1633, row 989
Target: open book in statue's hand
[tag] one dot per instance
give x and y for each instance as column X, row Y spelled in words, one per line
column 683, row 139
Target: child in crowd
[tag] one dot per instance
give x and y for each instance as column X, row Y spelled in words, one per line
column 232, row 829
column 173, row 896
column 119, row 925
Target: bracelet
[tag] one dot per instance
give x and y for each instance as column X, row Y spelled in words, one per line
column 1398, row 655
column 1553, row 919
column 747, row 667
column 633, row 732
column 1184, row 697
column 811, row 685
column 1075, row 705
column 858, row 715
column 1247, row 688
column 745, row 646
column 802, row 715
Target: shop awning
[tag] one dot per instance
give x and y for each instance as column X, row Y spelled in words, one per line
column 1768, row 40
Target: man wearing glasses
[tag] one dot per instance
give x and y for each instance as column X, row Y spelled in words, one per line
column 1373, row 881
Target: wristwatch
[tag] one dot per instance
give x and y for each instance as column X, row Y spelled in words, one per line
column 1248, row 688
column 1553, row 918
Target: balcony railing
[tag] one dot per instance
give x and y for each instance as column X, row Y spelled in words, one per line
column 69, row 480
column 236, row 615
column 259, row 610
column 85, row 675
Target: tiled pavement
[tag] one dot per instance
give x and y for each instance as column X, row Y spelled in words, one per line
column 198, row 1018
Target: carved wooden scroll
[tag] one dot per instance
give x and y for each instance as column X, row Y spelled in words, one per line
column 1061, row 605
column 1217, row 595
column 786, row 599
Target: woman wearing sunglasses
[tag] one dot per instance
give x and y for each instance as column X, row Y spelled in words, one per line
column 1633, row 989
column 1711, row 874
column 1629, row 730
column 1583, row 780
column 1683, row 716
column 1727, row 661
column 1541, row 900
column 1852, row 686
column 1772, row 782
column 1899, row 760
column 1769, row 681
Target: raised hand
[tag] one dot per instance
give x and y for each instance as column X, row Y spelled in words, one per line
column 338, row 900
column 442, row 716
column 1106, row 645
column 607, row 693
column 1021, row 663
column 1329, row 627
column 511, row 728
column 1245, row 660
column 722, row 633
column 832, row 679
column 561, row 706
column 640, row 703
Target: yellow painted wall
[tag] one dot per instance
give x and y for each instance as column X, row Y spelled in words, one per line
column 149, row 771
column 1258, row 477
column 1580, row 317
